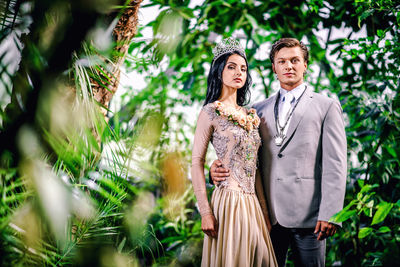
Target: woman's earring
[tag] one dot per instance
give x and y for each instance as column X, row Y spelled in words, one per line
column 276, row 76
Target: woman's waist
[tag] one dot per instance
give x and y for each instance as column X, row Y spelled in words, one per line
column 232, row 185
column 240, row 169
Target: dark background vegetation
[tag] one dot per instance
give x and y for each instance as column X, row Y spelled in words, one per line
column 80, row 188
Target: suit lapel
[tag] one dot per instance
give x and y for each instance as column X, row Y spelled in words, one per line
column 270, row 116
column 298, row 115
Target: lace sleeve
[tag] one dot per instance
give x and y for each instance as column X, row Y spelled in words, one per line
column 204, row 130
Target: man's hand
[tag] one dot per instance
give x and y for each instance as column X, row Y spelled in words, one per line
column 325, row 229
column 209, row 225
column 218, row 172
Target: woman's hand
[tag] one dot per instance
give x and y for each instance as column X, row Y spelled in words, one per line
column 209, row 225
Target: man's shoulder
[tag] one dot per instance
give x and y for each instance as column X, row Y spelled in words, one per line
column 263, row 103
column 323, row 99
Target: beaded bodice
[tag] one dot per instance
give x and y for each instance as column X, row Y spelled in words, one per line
column 237, row 148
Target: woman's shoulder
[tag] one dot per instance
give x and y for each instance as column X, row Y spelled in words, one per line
column 210, row 105
column 209, row 109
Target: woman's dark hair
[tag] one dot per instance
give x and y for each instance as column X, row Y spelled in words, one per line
column 214, row 81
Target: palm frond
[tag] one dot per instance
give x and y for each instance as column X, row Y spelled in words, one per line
column 9, row 10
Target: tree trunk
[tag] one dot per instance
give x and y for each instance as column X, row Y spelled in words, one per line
column 123, row 33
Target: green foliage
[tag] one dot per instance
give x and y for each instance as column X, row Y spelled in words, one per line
column 180, row 233
column 110, row 177
column 363, row 72
column 371, row 106
column 63, row 196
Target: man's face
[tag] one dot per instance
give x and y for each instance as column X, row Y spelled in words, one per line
column 290, row 66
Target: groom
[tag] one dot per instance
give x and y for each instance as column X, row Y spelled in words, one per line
column 302, row 160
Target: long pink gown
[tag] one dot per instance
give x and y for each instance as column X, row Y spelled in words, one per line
column 243, row 238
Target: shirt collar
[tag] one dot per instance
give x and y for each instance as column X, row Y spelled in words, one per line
column 296, row 92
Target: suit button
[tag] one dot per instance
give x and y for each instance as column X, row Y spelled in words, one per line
column 280, row 155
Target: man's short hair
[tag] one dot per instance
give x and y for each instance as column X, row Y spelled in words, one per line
column 288, row 42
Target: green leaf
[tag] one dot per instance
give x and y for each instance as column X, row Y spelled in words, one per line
column 368, row 187
column 257, row 39
column 368, row 212
column 391, row 151
column 398, row 17
column 383, row 210
column 365, row 15
column 252, row 21
column 384, row 229
column 343, row 216
column 187, row 13
column 364, row 232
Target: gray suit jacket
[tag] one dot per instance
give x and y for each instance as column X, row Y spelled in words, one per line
column 304, row 178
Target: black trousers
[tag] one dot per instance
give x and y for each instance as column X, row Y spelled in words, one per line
column 307, row 250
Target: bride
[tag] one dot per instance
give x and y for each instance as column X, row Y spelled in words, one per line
column 234, row 224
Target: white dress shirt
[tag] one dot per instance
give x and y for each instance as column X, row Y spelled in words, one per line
column 296, row 92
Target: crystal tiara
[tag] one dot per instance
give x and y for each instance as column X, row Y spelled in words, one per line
column 227, row 45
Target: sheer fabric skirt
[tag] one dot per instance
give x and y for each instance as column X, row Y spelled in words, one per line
column 243, row 238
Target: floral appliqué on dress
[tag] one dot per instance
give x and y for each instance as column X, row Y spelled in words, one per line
column 219, row 142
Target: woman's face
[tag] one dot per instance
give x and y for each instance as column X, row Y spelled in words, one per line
column 234, row 74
